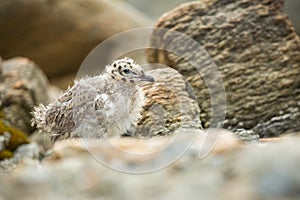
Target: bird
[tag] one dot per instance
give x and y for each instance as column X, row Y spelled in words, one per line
column 105, row 105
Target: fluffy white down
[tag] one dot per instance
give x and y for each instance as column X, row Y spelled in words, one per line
column 96, row 106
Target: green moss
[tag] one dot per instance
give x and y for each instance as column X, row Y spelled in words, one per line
column 17, row 137
column 1, row 114
column 4, row 154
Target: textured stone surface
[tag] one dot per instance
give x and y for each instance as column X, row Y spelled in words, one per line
column 257, row 52
column 23, row 85
column 169, row 105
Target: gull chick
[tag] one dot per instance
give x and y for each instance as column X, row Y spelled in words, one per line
column 101, row 106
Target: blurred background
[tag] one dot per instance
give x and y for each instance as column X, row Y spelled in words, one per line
column 58, row 34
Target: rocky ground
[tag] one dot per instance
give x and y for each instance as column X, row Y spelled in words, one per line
column 185, row 163
column 258, row 170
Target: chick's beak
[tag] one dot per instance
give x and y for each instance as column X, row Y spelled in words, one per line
column 146, row 78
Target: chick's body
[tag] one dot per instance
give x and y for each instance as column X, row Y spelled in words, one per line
column 103, row 105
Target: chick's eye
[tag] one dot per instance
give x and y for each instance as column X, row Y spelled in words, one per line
column 126, row 71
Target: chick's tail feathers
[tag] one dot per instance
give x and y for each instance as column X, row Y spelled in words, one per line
column 39, row 117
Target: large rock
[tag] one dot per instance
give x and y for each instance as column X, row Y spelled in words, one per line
column 23, row 86
column 58, row 35
column 257, row 52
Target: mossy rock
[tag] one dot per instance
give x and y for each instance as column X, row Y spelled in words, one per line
column 16, row 139
column 5, row 154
